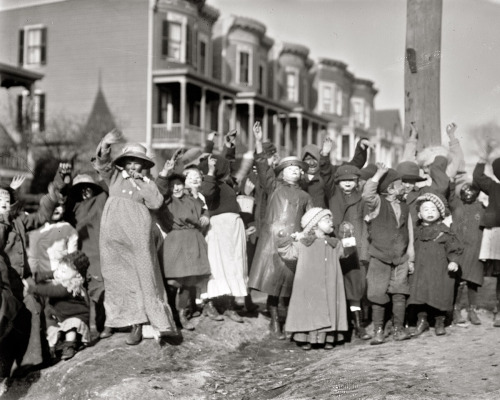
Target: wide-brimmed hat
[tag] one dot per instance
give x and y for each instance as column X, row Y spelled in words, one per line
column 291, row 161
column 390, row 176
column 84, row 179
column 135, row 150
column 409, row 172
column 193, row 156
column 346, row 172
column 312, row 217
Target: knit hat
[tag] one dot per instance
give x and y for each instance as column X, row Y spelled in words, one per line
column 346, row 172
column 427, row 156
column 438, row 201
column 390, row 176
column 409, row 171
column 269, row 148
column 367, row 172
column 135, row 150
column 291, row 161
column 495, row 165
column 312, row 217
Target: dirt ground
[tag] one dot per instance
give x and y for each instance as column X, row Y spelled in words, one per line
column 227, row 360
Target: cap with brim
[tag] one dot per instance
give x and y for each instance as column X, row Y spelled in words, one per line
column 135, row 150
column 346, row 173
column 84, row 180
column 409, row 172
column 289, row 162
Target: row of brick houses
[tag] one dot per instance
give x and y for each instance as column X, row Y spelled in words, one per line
column 170, row 71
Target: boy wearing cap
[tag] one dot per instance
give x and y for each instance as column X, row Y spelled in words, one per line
column 390, row 249
column 437, row 254
column 286, row 206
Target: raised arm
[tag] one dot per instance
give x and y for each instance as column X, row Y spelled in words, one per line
column 326, row 169
column 483, row 181
column 410, row 149
column 370, row 196
column 360, row 154
column 457, row 159
column 102, row 161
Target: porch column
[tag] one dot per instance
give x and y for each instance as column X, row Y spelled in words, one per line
column 233, row 115
column 251, row 120
column 265, row 123
column 287, row 135
column 203, row 105
column 309, row 132
column 183, row 110
column 220, row 119
column 299, row 135
column 277, row 130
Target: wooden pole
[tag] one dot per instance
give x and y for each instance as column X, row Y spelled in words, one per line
column 422, row 70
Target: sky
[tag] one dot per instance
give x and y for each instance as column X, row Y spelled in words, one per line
column 369, row 36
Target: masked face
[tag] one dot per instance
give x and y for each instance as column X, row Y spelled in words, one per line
column 408, row 187
column 193, row 179
column 468, row 194
column 428, row 212
column 177, row 188
column 292, row 173
column 57, row 214
column 133, row 164
column 313, row 164
column 325, row 224
column 4, row 201
column 87, row 192
column 348, row 186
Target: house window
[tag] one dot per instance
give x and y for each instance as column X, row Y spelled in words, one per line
column 244, row 67
column 358, row 111
column 327, row 93
column 31, row 112
column 338, row 101
column 346, row 146
column 38, row 112
column 203, row 57
column 292, row 85
column 33, row 46
column 171, row 40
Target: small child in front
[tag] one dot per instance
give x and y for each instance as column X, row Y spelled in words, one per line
column 317, row 306
column 437, row 252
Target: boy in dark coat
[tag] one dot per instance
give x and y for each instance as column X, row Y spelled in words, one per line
column 390, row 248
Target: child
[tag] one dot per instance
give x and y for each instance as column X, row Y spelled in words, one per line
column 390, row 248
column 466, row 226
column 287, row 203
column 135, row 294
column 317, row 306
column 66, row 303
column 437, row 253
column 184, row 249
column 89, row 199
column 490, row 250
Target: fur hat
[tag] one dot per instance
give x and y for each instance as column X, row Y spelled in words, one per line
column 312, row 217
column 390, row 176
column 346, row 172
column 438, row 201
column 367, row 172
column 291, row 161
column 409, row 171
column 426, row 156
column 135, row 150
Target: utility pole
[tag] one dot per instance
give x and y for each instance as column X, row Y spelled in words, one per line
column 422, row 70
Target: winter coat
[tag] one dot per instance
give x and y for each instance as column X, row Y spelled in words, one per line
column 491, row 217
column 286, row 206
column 318, row 300
column 432, row 284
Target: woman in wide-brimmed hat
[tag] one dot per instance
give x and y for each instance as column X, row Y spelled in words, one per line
column 135, row 294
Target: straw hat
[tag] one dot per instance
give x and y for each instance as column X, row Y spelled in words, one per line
column 135, row 150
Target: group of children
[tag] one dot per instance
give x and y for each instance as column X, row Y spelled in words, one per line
column 326, row 243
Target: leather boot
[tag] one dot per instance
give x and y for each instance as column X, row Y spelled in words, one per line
column 231, row 310
column 422, row 324
column 274, row 326
column 457, row 315
column 379, row 336
column 472, row 316
column 186, row 324
column 106, row 333
column 439, row 326
column 399, row 333
column 135, row 335
column 250, row 305
column 359, row 329
column 211, row 312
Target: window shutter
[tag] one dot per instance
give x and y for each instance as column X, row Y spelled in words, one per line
column 21, row 47
column 43, row 49
column 195, row 49
column 189, row 47
column 41, row 118
column 20, row 114
column 164, row 40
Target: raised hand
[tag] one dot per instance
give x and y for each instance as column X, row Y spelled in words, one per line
column 115, row 136
column 168, row 166
column 381, row 169
column 211, row 136
column 212, row 161
column 257, row 131
column 17, row 181
column 327, row 146
column 413, row 131
column 450, row 130
column 364, row 144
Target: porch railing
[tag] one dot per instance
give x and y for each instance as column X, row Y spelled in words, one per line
column 174, row 134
